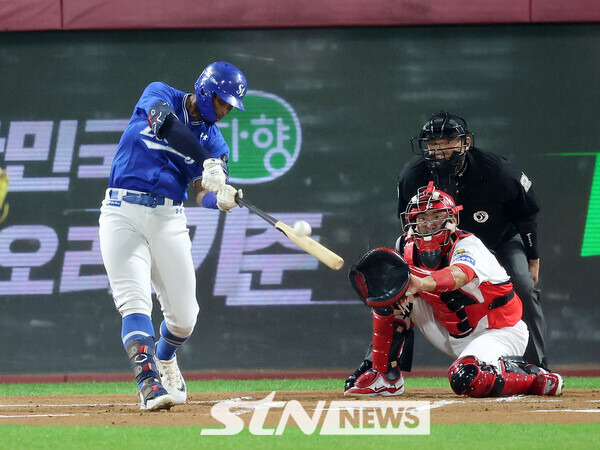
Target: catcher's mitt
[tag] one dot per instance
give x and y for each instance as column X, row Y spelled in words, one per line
column 381, row 277
column 3, row 190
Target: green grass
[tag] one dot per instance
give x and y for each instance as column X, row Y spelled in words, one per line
column 235, row 386
column 493, row 436
column 490, row 436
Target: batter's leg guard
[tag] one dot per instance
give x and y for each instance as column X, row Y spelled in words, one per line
column 153, row 396
column 472, row 377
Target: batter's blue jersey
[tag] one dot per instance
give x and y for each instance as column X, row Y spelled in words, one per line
column 148, row 164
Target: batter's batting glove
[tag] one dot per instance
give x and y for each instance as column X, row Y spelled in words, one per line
column 226, row 196
column 3, row 190
column 213, row 175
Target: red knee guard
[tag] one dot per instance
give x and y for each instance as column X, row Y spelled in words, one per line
column 469, row 376
column 383, row 333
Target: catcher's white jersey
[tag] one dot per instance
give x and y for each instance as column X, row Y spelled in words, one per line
column 483, row 318
column 488, row 297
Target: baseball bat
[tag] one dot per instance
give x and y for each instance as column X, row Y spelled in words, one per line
column 306, row 243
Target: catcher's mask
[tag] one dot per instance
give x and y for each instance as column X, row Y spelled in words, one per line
column 432, row 243
column 380, row 277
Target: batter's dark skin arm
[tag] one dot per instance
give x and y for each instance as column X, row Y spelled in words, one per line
column 199, row 191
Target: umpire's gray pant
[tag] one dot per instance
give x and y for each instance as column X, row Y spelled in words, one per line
column 511, row 255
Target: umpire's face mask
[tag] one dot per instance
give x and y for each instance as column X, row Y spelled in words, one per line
column 445, row 159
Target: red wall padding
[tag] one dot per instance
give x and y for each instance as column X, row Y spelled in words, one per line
column 132, row 14
column 30, row 15
column 565, row 11
column 89, row 14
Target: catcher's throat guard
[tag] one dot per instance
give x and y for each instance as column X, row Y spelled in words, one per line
column 380, row 277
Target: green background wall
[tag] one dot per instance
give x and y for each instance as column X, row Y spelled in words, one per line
column 529, row 92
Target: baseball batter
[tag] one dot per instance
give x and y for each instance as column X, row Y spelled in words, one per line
column 460, row 298
column 171, row 141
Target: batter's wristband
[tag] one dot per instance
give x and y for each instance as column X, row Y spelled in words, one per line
column 444, row 280
column 210, row 200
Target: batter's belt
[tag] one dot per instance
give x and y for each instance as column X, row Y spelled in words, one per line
column 140, row 198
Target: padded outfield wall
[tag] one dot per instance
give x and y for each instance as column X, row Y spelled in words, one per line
column 330, row 117
column 151, row 14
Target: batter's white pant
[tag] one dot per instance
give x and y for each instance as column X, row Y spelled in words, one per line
column 488, row 345
column 144, row 246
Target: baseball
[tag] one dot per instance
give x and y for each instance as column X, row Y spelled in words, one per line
column 302, row 228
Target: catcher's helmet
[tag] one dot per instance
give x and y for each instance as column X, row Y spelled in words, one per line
column 381, row 277
column 431, row 243
column 222, row 79
column 428, row 198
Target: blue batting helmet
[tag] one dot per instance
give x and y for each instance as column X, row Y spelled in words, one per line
column 222, row 79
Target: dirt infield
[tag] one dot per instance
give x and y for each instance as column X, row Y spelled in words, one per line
column 574, row 406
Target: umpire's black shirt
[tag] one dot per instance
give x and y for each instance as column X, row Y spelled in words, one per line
column 497, row 199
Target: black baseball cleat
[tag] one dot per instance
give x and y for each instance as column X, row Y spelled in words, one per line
column 153, row 396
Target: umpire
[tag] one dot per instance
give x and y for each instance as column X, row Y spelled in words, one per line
column 499, row 207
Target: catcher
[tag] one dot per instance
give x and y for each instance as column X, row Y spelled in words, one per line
column 447, row 283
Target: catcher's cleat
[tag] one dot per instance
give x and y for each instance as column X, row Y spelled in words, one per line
column 547, row 383
column 153, row 396
column 172, row 379
column 372, row 383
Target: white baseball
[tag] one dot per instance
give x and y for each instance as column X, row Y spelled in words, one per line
column 302, row 228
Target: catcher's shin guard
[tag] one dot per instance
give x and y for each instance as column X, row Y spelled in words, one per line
column 517, row 376
column 470, row 376
column 402, row 347
column 523, row 378
column 383, row 334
